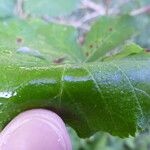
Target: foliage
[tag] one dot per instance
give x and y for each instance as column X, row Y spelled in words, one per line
column 70, row 89
column 106, row 34
column 91, row 72
column 105, row 141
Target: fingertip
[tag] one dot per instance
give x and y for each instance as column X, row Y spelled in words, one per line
column 35, row 129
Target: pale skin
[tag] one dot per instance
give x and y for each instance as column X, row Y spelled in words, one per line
column 36, row 129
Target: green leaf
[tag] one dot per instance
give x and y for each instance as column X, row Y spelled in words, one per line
column 50, row 42
column 127, row 51
column 143, row 27
column 107, row 34
column 108, row 96
column 6, row 8
column 145, row 55
column 130, row 51
column 50, row 7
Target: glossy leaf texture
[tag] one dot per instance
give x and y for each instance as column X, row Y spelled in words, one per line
column 108, row 96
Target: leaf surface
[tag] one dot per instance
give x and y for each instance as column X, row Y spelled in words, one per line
column 107, row 34
column 111, row 96
column 108, row 96
column 130, row 51
column 49, row 42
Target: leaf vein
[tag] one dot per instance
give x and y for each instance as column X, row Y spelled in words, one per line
column 102, row 96
column 133, row 88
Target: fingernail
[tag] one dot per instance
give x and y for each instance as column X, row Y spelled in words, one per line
column 35, row 130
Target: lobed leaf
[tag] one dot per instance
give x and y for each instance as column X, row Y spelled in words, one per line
column 111, row 96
